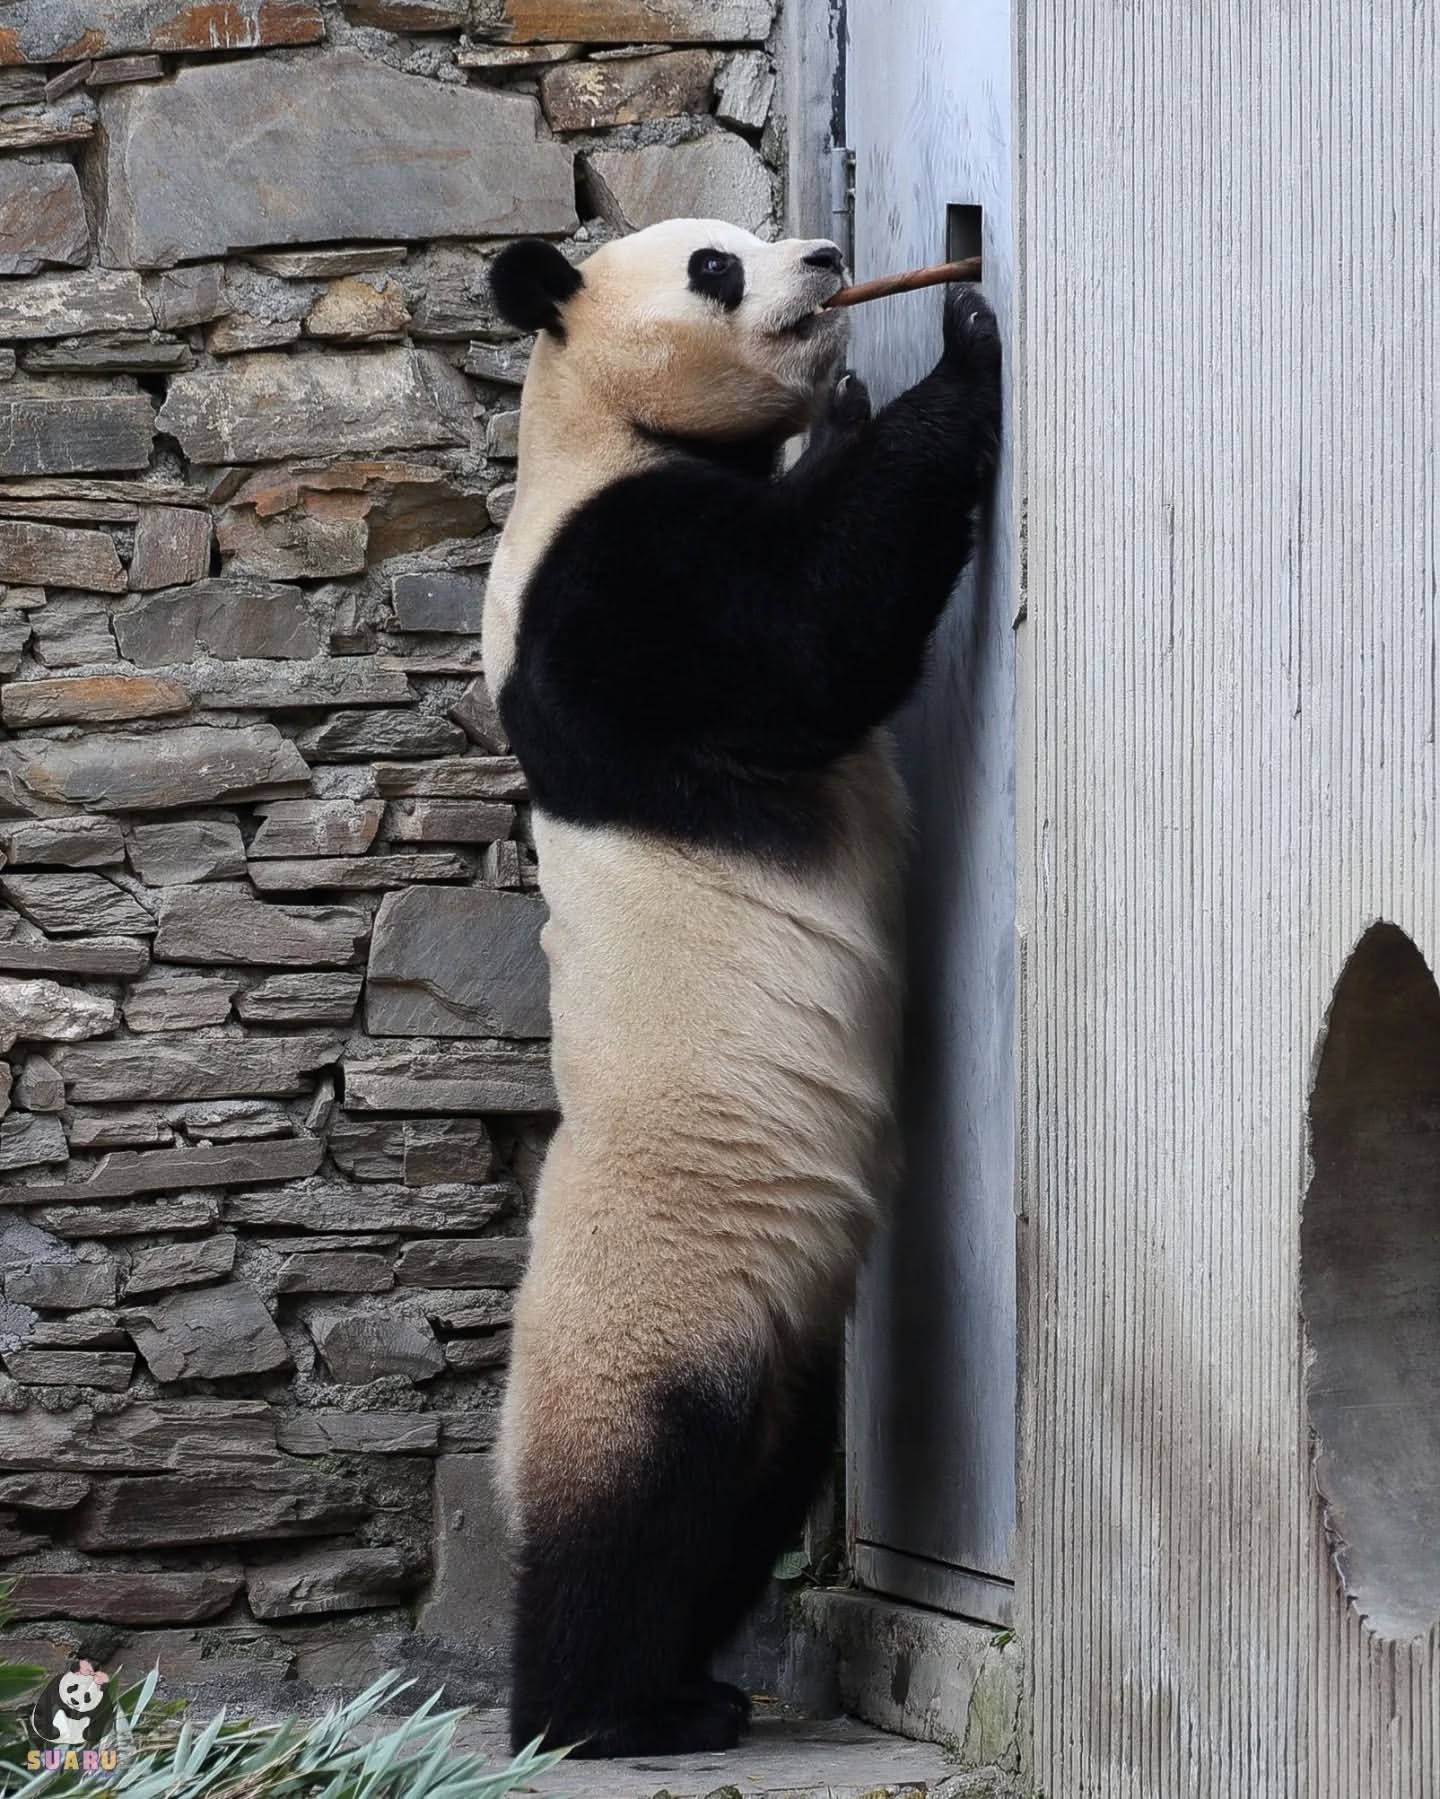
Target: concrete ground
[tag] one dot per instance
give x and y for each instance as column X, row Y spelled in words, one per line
column 782, row 1758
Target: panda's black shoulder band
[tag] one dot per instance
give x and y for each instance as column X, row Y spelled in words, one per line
column 530, row 281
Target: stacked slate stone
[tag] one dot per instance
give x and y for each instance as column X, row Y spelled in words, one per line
column 273, row 1005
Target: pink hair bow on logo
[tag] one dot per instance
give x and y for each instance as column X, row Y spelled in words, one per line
column 98, row 1675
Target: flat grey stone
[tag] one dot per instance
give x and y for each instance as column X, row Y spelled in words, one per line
column 176, row 999
column 31, row 952
column 363, row 1346
column 46, row 1012
column 454, row 778
column 47, row 1492
column 745, row 90
column 48, row 31
column 123, row 772
column 224, row 923
column 299, row 164
column 165, row 1266
column 79, row 1330
column 183, row 851
column 337, row 827
column 67, row 904
column 623, row 21
column 292, row 547
column 109, row 299
column 124, row 1596
column 129, row 1172
column 224, row 617
column 141, row 1218
column 301, row 999
column 265, row 407
column 447, row 1076
column 149, row 1438
column 35, row 554
column 84, row 842
column 335, row 1271
column 469, row 1598
column 385, row 731
column 448, row 821
column 502, row 436
column 192, row 1065
column 462, row 1262
column 70, row 631
column 467, row 1355
column 119, row 1128
column 39, row 1088
column 107, row 1369
column 207, row 1335
column 78, row 433
column 357, row 873
column 91, row 699
column 479, row 717
column 591, row 96
column 437, row 1150
column 504, row 364
column 297, row 686
column 193, row 295
column 108, row 352
column 439, row 600
column 326, row 265
column 172, row 546
column 42, row 216
column 462, row 962
column 368, row 1149
column 61, row 1286
column 327, row 1205
column 330, row 1580
column 236, row 1120
column 357, row 1433
column 233, row 1505
column 715, row 176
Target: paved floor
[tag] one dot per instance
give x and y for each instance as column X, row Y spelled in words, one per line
column 781, row 1759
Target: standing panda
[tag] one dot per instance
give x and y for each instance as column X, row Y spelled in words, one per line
column 695, row 657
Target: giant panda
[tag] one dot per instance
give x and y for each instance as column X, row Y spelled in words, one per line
column 694, row 655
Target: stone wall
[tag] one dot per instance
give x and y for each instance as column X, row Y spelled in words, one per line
column 270, row 988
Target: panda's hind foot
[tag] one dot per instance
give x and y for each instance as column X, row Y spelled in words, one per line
column 701, row 1721
column 729, row 1694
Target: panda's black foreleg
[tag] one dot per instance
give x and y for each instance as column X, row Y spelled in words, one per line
column 608, row 1589
column 846, row 412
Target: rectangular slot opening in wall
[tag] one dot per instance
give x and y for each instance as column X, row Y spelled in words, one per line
column 964, row 232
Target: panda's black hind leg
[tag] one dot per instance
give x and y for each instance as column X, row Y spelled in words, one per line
column 610, row 1586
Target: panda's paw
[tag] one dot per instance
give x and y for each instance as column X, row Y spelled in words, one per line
column 972, row 334
column 850, row 406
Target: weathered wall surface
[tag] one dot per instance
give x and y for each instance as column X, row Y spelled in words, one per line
column 1231, row 360
column 272, row 1004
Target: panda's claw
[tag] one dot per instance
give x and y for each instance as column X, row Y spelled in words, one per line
column 850, row 402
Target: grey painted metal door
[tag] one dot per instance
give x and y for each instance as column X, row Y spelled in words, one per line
column 931, row 1413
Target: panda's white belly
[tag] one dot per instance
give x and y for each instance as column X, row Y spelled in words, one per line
column 724, row 1041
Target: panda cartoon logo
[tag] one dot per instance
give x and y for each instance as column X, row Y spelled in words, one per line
column 75, row 1709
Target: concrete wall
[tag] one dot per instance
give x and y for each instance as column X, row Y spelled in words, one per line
column 1230, row 359
column 271, row 998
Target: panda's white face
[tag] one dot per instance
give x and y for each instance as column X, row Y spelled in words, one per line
column 80, row 1693
column 697, row 328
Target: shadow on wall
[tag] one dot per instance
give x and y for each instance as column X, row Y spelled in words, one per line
column 1370, row 1283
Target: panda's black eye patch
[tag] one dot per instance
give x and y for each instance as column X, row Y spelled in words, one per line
column 719, row 276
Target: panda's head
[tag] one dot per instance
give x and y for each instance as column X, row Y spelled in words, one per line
column 692, row 328
column 81, row 1690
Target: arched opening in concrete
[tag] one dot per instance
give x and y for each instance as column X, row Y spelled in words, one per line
column 1370, row 1283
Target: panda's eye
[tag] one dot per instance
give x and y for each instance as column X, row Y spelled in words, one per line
column 718, row 276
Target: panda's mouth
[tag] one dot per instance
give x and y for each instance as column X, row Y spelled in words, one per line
column 808, row 323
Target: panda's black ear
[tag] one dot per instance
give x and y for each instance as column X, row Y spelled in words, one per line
column 530, row 281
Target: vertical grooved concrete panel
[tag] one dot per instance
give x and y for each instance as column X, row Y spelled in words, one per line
column 1231, row 264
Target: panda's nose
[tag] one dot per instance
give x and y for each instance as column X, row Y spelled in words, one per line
column 827, row 256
